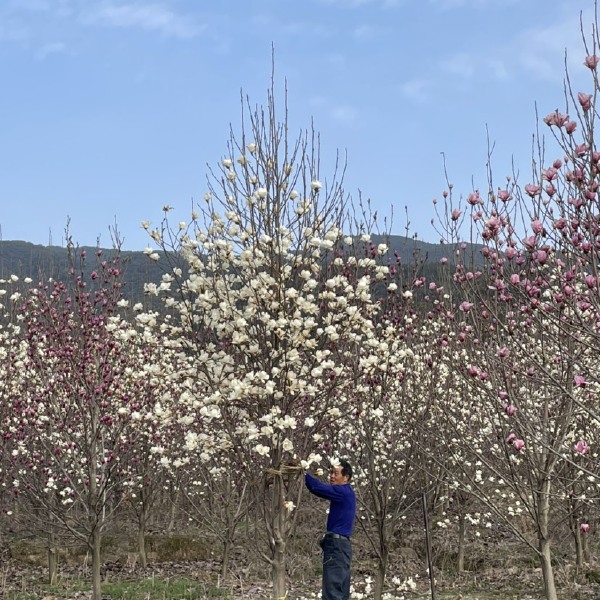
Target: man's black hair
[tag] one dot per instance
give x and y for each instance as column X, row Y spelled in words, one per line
column 346, row 469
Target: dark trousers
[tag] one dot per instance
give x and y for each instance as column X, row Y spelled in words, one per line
column 337, row 556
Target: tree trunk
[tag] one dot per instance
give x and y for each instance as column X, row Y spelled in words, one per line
column 380, row 575
column 278, row 539
column 585, row 547
column 227, row 543
column 52, row 553
column 547, row 571
column 95, row 548
column 578, row 547
column 173, row 512
column 142, row 538
column 52, row 564
column 278, row 571
column 543, row 503
column 461, row 543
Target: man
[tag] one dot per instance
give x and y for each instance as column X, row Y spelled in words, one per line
column 337, row 549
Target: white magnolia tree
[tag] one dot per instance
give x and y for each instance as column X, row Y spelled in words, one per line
column 278, row 329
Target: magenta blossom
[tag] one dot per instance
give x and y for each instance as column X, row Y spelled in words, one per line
column 585, row 100
column 537, row 226
column 504, row 195
column 465, row 306
column 581, row 447
column 511, row 438
column 584, row 527
column 591, row 61
column 570, row 127
column 579, row 381
column 510, row 409
column 518, row 445
column 456, row 214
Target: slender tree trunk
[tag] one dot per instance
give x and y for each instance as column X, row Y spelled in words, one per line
column 142, row 537
column 543, row 502
column 95, row 548
column 461, row 543
column 547, row 571
column 52, row 553
column 278, row 571
column 173, row 511
column 52, row 559
column 380, row 574
column 585, row 548
column 278, row 544
column 227, row 543
column 578, row 547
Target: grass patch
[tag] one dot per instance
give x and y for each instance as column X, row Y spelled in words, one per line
column 143, row 589
column 162, row 589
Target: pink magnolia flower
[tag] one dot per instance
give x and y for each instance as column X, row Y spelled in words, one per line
column 579, row 380
column 473, row 371
column 581, row 447
column 510, row 409
column 518, row 445
column 465, row 306
column 511, row 438
column 474, row 198
column 556, row 119
column 456, row 214
column 503, row 195
column 502, row 352
column 537, row 226
column 591, row 61
column 584, row 527
column 570, row 127
column 585, row 100
column 532, row 190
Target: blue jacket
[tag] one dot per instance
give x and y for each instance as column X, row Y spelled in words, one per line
column 342, row 508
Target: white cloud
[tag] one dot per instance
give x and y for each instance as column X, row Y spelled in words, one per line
column 344, row 113
column 417, row 90
column 481, row 4
column 50, row 48
column 357, row 3
column 463, row 64
column 151, row 17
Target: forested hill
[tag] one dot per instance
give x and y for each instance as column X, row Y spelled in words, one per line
column 42, row 262
column 25, row 259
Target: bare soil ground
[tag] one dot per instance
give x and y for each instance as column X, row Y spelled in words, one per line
column 491, row 584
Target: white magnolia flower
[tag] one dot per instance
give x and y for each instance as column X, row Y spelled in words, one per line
column 262, row 450
column 315, row 185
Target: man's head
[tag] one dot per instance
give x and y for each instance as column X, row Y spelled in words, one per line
column 340, row 473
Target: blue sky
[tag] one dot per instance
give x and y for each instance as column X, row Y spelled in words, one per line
column 110, row 109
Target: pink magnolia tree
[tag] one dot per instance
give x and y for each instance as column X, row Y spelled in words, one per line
column 70, row 421
column 526, row 332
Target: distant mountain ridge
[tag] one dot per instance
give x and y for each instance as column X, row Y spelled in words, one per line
column 25, row 259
